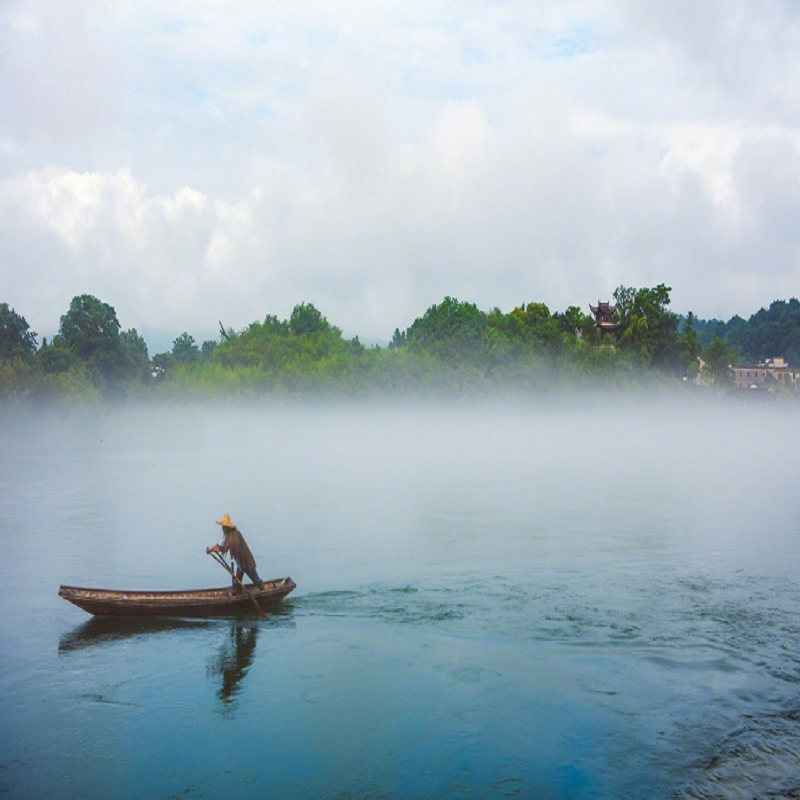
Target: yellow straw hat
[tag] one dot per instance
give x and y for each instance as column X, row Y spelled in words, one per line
column 225, row 522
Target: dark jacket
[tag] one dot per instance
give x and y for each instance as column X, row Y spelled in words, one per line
column 235, row 544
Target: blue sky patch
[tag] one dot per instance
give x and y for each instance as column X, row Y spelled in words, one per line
column 576, row 42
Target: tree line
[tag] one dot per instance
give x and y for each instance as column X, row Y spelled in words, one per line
column 770, row 332
column 454, row 345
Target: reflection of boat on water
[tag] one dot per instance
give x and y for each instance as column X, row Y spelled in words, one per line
column 194, row 603
column 104, row 630
column 231, row 662
column 234, row 659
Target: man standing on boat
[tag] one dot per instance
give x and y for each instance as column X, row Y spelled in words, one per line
column 233, row 542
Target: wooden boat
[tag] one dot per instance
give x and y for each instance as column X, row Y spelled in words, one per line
column 194, row 603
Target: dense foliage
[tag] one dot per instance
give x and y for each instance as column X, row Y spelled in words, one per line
column 89, row 357
column 453, row 346
column 17, row 340
column 770, row 332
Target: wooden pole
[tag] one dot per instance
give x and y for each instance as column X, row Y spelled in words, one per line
column 220, row 560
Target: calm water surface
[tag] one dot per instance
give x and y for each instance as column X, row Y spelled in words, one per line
column 573, row 602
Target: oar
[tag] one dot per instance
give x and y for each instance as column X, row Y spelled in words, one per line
column 220, row 560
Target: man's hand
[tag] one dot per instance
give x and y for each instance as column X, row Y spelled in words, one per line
column 214, row 549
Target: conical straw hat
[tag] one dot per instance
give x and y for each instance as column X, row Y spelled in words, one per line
column 225, row 522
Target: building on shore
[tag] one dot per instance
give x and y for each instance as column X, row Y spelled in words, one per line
column 766, row 375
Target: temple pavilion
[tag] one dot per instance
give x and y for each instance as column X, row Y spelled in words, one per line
column 603, row 318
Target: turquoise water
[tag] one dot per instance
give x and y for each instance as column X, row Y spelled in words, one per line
column 496, row 601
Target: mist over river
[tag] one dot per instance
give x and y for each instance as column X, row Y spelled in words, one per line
column 584, row 599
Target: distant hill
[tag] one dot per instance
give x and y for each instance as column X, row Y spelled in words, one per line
column 770, row 332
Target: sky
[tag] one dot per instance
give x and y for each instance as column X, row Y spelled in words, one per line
column 197, row 162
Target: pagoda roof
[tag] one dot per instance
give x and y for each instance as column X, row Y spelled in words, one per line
column 604, row 307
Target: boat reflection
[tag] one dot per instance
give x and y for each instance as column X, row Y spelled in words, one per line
column 229, row 664
column 233, row 659
column 105, row 630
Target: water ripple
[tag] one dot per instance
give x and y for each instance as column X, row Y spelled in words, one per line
column 716, row 630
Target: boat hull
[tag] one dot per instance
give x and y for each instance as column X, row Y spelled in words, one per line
column 195, row 603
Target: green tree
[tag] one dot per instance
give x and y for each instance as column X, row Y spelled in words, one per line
column 398, row 340
column 537, row 324
column 647, row 325
column 636, row 334
column 307, row 320
column 689, row 348
column 55, row 358
column 770, row 332
column 450, row 329
column 207, row 350
column 161, row 364
column 17, row 340
column 134, row 359
column 185, row 350
column 90, row 329
column 718, row 357
column 574, row 322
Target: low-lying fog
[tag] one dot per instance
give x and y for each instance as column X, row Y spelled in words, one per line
column 337, row 495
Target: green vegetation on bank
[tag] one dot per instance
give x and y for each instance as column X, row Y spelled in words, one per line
column 453, row 346
column 770, row 332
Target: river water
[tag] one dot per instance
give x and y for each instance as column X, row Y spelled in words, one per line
column 576, row 600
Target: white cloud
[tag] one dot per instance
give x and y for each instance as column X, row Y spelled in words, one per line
column 192, row 162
